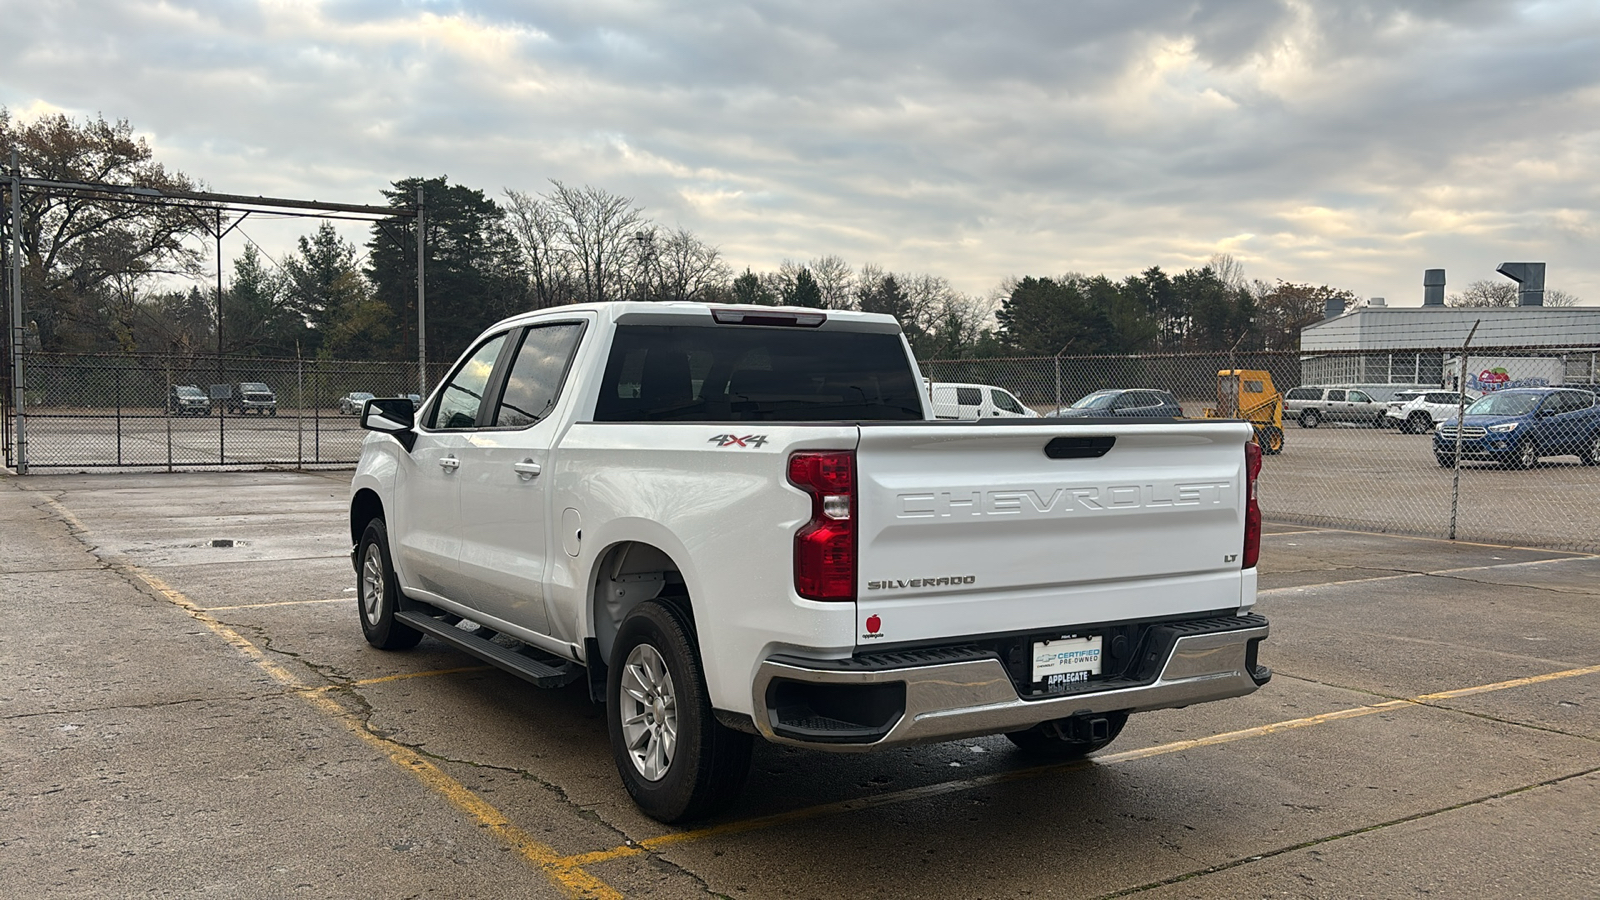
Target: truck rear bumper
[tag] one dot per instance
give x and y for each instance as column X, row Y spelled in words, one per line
column 890, row 699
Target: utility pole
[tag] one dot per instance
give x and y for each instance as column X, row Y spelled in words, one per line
column 422, row 302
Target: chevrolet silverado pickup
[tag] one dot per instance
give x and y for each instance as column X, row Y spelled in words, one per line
column 737, row 521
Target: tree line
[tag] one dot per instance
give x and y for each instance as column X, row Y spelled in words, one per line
column 99, row 274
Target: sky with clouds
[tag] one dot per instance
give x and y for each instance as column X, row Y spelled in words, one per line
column 1349, row 143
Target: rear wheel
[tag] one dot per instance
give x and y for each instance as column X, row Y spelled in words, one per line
column 378, row 593
column 676, row 760
column 1071, row 738
column 1310, row 419
column 1417, row 424
column 1590, row 454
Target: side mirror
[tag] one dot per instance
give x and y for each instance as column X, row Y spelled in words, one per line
column 394, row 416
column 1546, row 412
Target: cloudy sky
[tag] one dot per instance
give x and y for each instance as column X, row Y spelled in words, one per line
column 1349, row 143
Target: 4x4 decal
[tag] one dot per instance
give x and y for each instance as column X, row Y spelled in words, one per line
column 734, row 440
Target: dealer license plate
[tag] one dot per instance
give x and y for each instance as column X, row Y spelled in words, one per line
column 1066, row 661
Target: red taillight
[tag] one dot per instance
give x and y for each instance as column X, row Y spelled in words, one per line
column 1252, row 509
column 825, row 547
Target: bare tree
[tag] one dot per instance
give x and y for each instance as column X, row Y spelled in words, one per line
column 683, row 267
column 1229, row 271
column 835, row 280
column 1558, row 297
column 597, row 229
column 1485, row 293
column 534, row 221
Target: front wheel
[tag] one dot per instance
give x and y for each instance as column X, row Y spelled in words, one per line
column 1071, row 738
column 676, row 760
column 1310, row 419
column 1445, row 460
column 1527, row 456
column 378, row 593
column 1416, row 425
column 1270, row 438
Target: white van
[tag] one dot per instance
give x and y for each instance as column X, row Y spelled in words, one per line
column 970, row 402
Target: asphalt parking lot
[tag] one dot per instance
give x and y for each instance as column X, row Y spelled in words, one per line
column 180, row 716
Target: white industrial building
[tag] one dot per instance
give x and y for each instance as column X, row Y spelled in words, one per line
column 1394, row 345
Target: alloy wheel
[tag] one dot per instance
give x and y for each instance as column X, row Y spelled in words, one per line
column 372, row 584
column 649, row 712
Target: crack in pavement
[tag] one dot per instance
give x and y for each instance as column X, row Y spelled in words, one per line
column 154, row 704
column 1353, row 832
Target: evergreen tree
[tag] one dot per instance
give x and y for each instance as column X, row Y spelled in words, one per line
column 474, row 271
column 806, row 292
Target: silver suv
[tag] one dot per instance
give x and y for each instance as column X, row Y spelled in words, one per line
column 1313, row 404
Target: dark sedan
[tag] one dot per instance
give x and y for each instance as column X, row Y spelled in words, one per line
column 1143, row 402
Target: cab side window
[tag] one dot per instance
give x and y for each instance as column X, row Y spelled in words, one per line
column 1358, row 397
column 1336, row 395
column 969, row 396
column 537, row 373
column 462, row 396
column 1005, row 401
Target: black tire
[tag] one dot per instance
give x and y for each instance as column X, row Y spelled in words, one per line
column 1589, row 454
column 704, row 766
column 1445, row 460
column 378, row 593
column 1271, row 440
column 1066, row 738
column 1417, row 424
column 1310, row 419
column 1526, row 457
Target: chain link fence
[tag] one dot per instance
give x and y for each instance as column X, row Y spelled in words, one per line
column 1359, row 437
column 91, row 411
column 1360, row 443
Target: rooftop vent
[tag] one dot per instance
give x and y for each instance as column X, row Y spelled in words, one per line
column 1529, row 277
column 1433, row 287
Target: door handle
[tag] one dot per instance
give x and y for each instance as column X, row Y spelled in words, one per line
column 450, row 462
column 526, row 469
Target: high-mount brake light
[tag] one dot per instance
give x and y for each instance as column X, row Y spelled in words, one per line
column 1252, row 509
column 825, row 547
column 723, row 315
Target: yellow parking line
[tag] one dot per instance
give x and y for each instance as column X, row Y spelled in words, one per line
column 634, row 848
column 573, row 881
column 1502, row 685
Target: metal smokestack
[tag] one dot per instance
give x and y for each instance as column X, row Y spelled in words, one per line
column 1530, row 281
column 1332, row 308
column 1433, row 287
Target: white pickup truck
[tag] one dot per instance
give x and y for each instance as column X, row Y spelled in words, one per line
column 742, row 521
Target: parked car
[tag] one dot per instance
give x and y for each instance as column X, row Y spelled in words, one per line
column 187, row 400
column 253, row 396
column 1414, row 412
column 975, row 401
column 1311, row 405
column 1121, row 402
column 1521, row 426
column 352, row 403
column 732, row 523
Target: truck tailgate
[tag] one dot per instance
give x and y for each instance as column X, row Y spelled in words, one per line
column 969, row 530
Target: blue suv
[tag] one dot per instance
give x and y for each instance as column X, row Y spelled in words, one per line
column 1518, row 427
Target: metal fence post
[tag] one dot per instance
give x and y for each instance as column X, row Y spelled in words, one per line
column 300, row 410
column 1461, row 427
column 18, row 397
column 118, row 382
